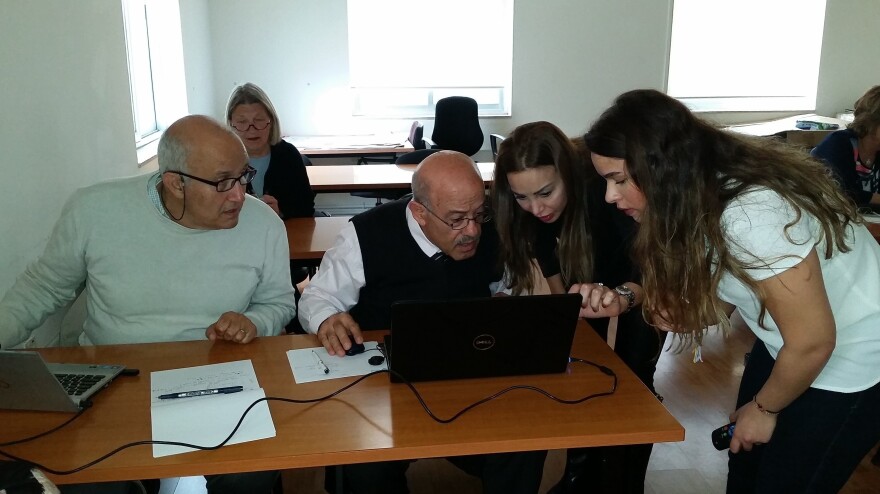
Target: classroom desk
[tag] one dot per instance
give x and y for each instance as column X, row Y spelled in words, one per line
column 374, row 421
column 354, row 178
column 373, row 146
column 309, row 238
column 874, row 228
column 786, row 128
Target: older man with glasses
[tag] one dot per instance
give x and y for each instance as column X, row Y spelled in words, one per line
column 181, row 254
column 433, row 246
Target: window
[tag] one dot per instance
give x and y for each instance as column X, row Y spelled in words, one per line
column 748, row 55
column 404, row 55
column 155, row 65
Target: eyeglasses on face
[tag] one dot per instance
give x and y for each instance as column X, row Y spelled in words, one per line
column 256, row 124
column 225, row 184
column 462, row 222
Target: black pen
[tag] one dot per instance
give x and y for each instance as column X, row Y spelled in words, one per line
column 321, row 364
column 202, row 392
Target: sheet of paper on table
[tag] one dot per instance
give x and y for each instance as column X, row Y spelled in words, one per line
column 207, row 420
column 306, row 368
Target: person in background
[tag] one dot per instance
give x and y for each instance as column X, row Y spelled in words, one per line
column 787, row 249
column 180, row 254
column 852, row 153
column 281, row 180
column 549, row 206
column 433, row 246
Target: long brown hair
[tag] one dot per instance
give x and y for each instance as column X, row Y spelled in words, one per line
column 689, row 171
column 529, row 146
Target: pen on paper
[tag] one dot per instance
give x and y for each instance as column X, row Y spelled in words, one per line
column 321, row 364
column 202, row 392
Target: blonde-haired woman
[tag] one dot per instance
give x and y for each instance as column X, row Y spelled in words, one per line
column 281, row 180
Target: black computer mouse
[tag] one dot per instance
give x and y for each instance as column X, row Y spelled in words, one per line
column 355, row 349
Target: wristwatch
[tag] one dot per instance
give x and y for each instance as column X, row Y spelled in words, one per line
column 625, row 291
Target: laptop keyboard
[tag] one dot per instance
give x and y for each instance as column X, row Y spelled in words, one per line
column 77, row 384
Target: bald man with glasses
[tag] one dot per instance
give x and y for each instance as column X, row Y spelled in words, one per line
column 181, row 254
column 437, row 245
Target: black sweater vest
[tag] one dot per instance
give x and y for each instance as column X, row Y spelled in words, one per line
column 395, row 268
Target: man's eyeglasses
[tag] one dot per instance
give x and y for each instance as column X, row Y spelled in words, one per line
column 462, row 223
column 256, row 124
column 225, row 184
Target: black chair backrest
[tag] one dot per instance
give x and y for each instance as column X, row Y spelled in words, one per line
column 416, row 133
column 456, row 125
column 415, row 157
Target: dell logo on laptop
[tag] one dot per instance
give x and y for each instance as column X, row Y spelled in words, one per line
column 484, row 342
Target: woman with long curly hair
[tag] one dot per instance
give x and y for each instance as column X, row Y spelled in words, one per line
column 548, row 203
column 729, row 222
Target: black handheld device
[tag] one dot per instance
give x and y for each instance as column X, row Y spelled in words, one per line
column 722, row 435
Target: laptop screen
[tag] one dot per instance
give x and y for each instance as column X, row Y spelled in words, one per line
column 482, row 337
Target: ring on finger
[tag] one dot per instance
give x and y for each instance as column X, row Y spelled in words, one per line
column 243, row 331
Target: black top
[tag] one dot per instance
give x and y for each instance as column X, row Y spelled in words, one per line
column 287, row 181
column 396, row 268
column 839, row 151
column 612, row 233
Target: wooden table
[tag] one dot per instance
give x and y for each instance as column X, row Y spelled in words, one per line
column 354, row 178
column 309, row 238
column 373, row 421
column 874, row 228
column 373, row 146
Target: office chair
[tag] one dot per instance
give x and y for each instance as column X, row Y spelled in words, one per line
column 494, row 141
column 456, row 126
column 415, row 157
column 416, row 136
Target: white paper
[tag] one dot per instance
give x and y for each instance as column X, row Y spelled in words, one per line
column 306, row 369
column 207, row 420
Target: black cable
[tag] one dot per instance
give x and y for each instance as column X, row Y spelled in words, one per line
column 85, row 405
column 605, row 370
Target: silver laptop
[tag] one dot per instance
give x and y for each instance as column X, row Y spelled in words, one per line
column 27, row 382
column 481, row 337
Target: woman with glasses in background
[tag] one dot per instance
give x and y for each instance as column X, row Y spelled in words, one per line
column 549, row 207
column 281, row 180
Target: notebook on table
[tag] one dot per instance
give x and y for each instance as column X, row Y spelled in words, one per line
column 481, row 337
column 27, row 382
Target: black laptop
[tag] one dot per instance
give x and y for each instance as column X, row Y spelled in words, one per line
column 481, row 337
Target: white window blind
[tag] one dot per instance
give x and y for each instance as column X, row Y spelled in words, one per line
column 404, row 55
column 747, row 55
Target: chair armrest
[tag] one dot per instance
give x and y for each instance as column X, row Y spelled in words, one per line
column 429, row 144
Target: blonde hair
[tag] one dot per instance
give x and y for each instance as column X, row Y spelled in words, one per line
column 248, row 94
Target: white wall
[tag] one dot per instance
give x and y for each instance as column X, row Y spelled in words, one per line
column 66, row 115
column 198, row 62
column 850, row 54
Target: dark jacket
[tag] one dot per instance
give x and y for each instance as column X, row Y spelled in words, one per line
column 286, row 180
